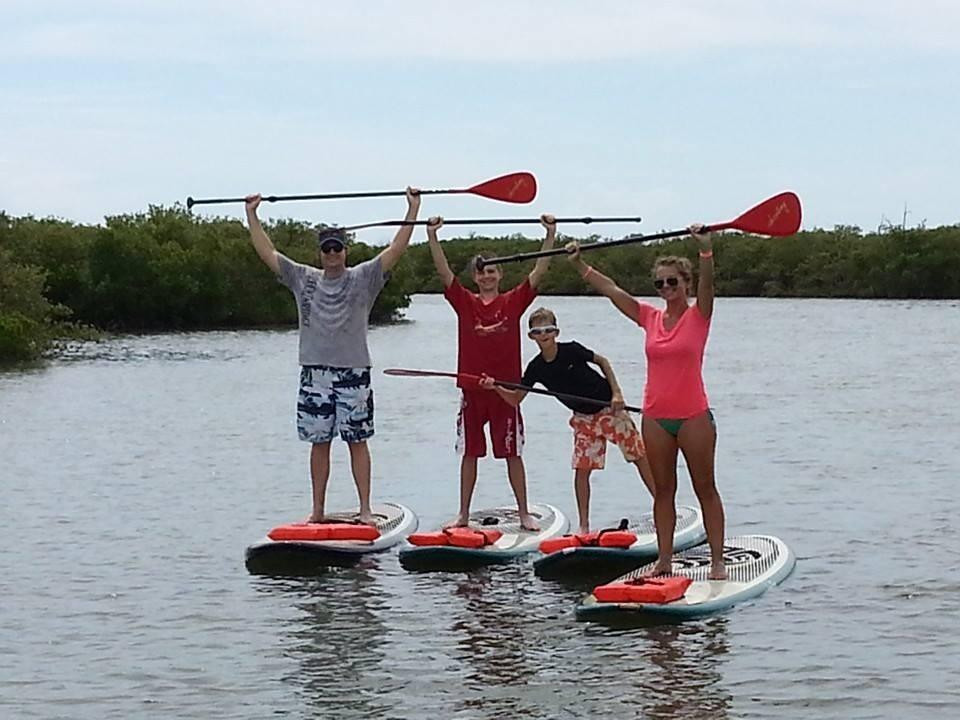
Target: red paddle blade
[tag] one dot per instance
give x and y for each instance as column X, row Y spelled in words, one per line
column 518, row 187
column 778, row 216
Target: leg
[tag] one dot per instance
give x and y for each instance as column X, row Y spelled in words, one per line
column 471, row 444
column 517, row 475
column 661, row 449
column 319, row 474
column 360, row 465
column 620, row 429
column 468, row 481
column 316, row 419
column 589, row 454
column 581, row 489
column 646, row 475
column 698, row 441
column 506, row 436
column 354, row 405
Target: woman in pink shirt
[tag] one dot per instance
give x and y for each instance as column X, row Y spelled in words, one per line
column 676, row 414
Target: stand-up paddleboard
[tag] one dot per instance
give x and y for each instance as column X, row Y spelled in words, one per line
column 605, row 563
column 291, row 549
column 754, row 564
column 493, row 536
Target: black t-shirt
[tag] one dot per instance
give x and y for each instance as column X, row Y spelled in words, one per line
column 569, row 373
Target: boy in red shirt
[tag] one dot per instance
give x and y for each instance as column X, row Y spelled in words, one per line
column 488, row 335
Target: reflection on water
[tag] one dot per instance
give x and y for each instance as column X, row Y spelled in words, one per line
column 687, row 679
column 336, row 639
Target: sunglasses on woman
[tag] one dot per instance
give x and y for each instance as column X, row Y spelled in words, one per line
column 542, row 329
column 671, row 281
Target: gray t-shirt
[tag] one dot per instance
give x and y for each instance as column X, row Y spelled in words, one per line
column 333, row 311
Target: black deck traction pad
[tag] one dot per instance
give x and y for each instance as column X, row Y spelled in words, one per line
column 746, row 558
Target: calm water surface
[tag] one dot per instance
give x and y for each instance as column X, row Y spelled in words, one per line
column 135, row 473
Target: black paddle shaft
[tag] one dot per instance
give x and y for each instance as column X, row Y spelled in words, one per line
column 482, row 263
column 497, row 221
column 560, row 395
column 322, row 196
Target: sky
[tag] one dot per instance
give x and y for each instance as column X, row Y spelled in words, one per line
column 674, row 111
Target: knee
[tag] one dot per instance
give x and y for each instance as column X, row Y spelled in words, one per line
column 665, row 489
column 706, row 490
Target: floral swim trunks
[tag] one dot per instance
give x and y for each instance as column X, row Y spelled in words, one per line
column 591, row 433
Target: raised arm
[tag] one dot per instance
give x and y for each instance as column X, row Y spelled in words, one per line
column 436, row 252
column 616, row 401
column 540, row 267
column 261, row 242
column 390, row 256
column 622, row 300
column 705, row 283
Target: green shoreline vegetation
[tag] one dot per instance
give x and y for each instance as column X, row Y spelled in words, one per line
column 167, row 270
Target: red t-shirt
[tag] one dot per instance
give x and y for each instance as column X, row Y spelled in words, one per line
column 489, row 333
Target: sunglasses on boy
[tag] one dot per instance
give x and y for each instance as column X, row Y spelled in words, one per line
column 543, row 329
column 331, row 246
column 671, row 281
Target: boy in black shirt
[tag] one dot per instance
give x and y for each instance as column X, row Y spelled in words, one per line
column 562, row 368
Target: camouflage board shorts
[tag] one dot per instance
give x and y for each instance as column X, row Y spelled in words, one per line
column 333, row 401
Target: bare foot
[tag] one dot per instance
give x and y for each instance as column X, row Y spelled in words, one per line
column 583, row 530
column 367, row 518
column 661, row 568
column 315, row 518
column 718, row 571
column 527, row 522
column 459, row 521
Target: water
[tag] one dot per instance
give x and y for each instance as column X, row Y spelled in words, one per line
column 135, row 473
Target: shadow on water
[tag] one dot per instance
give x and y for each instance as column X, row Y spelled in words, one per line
column 496, row 642
column 521, row 656
column 336, row 636
column 686, row 675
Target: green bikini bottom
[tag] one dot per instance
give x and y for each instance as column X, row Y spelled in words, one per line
column 673, row 425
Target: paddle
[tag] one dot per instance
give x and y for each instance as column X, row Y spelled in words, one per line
column 508, row 385
column 775, row 216
column 519, row 187
column 497, row 221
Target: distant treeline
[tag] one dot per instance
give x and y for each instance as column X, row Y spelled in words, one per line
column 167, row 269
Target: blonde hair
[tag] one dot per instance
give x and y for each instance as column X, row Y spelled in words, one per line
column 682, row 265
column 540, row 314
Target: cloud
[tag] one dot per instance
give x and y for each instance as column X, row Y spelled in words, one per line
column 495, row 31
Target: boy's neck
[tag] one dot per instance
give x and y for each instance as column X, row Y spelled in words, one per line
column 549, row 352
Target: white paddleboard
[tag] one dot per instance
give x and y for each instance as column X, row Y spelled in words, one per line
column 754, row 564
column 608, row 562
column 513, row 543
column 273, row 557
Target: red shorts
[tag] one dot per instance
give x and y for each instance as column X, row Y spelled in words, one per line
column 479, row 407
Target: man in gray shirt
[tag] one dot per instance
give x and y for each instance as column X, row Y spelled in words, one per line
column 334, row 305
